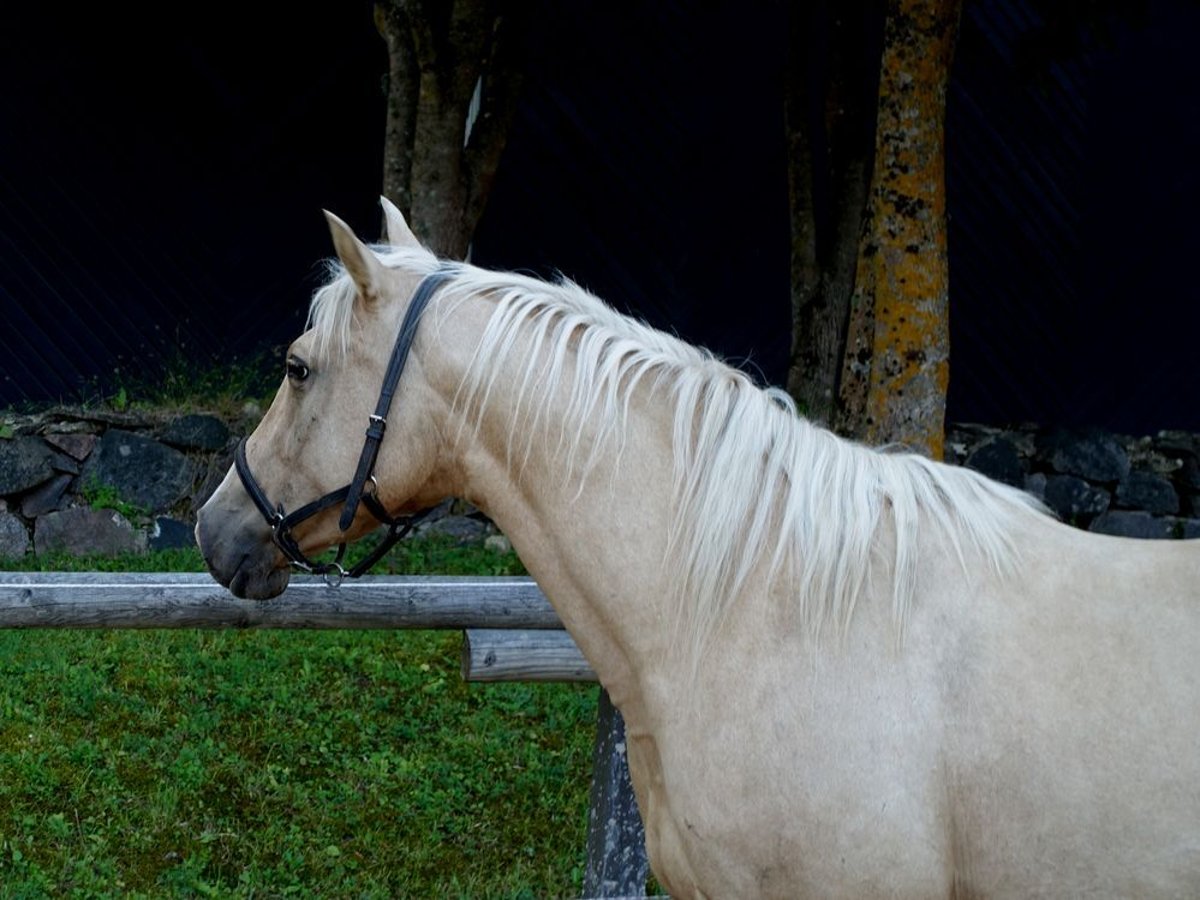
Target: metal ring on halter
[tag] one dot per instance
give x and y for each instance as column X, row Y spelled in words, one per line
column 333, row 575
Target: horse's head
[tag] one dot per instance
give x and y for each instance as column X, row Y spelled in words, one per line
column 302, row 482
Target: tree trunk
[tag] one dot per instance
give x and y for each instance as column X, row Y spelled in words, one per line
column 896, row 371
column 440, row 154
column 830, row 117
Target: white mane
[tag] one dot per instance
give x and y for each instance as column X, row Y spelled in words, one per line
column 754, row 484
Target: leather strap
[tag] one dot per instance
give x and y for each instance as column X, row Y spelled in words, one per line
column 377, row 423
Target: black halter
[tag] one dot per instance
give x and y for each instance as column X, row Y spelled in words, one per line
column 355, row 493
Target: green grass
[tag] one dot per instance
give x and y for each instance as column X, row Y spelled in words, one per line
column 98, row 495
column 277, row 764
column 435, row 554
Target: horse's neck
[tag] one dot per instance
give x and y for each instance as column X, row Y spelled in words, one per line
column 595, row 540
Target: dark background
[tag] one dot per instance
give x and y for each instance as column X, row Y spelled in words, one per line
column 161, row 181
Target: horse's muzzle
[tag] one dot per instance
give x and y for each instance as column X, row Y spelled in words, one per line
column 245, row 560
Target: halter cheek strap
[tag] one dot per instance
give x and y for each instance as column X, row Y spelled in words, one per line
column 351, row 496
column 377, row 422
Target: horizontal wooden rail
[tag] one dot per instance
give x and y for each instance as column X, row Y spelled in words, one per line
column 493, row 654
column 134, row 600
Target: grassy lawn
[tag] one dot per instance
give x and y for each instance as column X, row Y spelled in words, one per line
column 272, row 764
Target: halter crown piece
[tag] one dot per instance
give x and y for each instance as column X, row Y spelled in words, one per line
column 354, row 494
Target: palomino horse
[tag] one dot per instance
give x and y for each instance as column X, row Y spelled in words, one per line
column 843, row 672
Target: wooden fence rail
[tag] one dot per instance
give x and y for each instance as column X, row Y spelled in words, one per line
column 193, row 600
column 510, row 633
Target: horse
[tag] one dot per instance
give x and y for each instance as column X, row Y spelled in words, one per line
column 844, row 671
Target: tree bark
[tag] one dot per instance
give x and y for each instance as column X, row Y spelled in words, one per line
column 830, row 117
column 391, row 19
column 896, row 369
column 440, row 157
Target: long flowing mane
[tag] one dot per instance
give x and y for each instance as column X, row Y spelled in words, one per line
column 754, row 484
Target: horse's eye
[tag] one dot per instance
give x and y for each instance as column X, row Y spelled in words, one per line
column 296, row 370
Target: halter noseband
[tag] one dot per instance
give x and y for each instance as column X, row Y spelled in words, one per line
column 355, row 493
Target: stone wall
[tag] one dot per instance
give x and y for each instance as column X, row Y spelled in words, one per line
column 1144, row 487
column 91, row 481
column 84, row 482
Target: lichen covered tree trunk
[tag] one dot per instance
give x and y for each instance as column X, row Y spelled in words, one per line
column 893, row 387
column 440, row 157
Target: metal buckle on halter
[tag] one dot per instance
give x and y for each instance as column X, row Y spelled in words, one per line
column 376, row 427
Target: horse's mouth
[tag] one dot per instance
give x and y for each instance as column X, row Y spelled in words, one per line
column 257, row 572
column 251, row 583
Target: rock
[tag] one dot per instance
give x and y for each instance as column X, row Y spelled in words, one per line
column 998, row 459
column 196, row 432
column 80, row 531
column 1024, row 438
column 1035, row 484
column 1139, row 524
column 1149, row 492
column 14, row 537
column 1086, row 453
column 171, row 534
column 61, row 426
column 214, row 475
column 1189, row 474
column 1145, row 455
column 464, row 529
column 497, row 543
column 1074, row 499
column 75, row 445
column 954, row 453
column 962, row 439
column 445, row 508
column 141, row 470
column 1177, row 443
column 46, row 497
column 64, row 463
column 1133, row 524
column 460, row 507
column 25, row 462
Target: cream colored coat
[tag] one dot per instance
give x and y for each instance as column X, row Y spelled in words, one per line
column 900, row 681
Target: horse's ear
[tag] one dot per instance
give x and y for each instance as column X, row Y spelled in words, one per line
column 363, row 265
column 398, row 233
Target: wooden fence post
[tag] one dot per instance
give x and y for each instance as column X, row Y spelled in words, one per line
column 616, row 842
